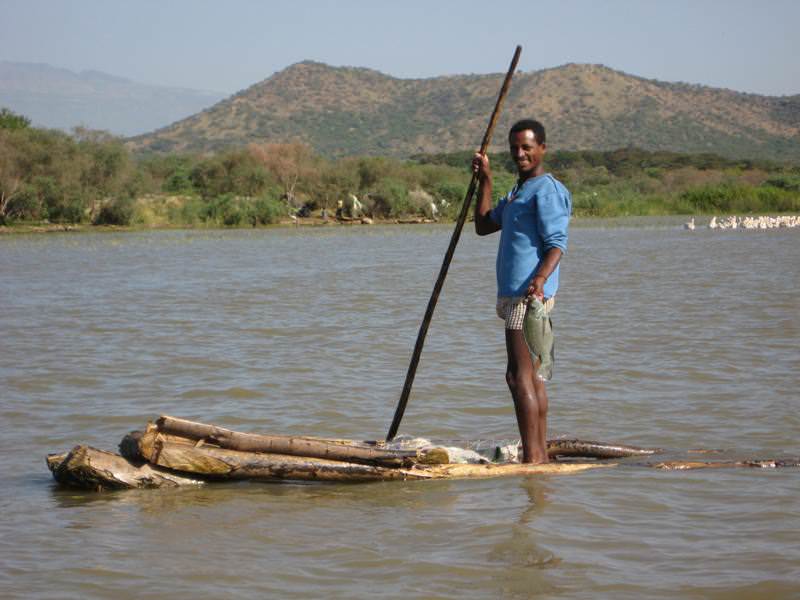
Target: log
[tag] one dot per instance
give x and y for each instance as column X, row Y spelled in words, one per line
column 87, row 467
column 130, row 448
column 222, row 463
column 136, row 447
column 686, row 465
column 589, row 449
column 501, row 470
column 344, row 450
column 367, row 452
column 213, row 462
column 182, row 455
column 509, row 469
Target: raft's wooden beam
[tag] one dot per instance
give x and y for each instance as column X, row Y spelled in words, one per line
column 213, row 462
column 686, row 465
column 366, row 452
column 590, row 449
column 507, row 470
column 210, row 461
column 87, row 467
column 344, row 450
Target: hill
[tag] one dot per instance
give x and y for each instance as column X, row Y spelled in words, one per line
column 62, row 99
column 354, row 111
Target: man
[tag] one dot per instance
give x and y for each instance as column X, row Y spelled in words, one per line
column 533, row 219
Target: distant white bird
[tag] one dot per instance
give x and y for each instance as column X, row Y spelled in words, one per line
column 689, row 225
column 434, row 211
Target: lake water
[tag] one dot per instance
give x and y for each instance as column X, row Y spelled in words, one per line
column 665, row 338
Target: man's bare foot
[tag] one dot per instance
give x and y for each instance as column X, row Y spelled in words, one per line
column 536, row 460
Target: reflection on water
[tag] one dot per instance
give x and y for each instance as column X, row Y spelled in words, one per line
column 519, row 558
column 666, row 338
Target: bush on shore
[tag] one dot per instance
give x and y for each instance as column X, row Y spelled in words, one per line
column 90, row 177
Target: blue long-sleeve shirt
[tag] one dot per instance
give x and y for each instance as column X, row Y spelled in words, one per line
column 533, row 217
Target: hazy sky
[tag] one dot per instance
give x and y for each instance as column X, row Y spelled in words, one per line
column 229, row 45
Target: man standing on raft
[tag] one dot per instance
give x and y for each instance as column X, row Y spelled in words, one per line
column 533, row 219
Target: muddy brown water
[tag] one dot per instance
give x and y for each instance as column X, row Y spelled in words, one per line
column 665, row 337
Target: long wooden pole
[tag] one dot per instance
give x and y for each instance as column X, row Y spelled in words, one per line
column 448, row 257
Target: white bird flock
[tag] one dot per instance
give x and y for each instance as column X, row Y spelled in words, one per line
column 734, row 222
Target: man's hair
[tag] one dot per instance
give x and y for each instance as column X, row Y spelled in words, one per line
column 536, row 127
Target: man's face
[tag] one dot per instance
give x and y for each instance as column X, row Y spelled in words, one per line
column 526, row 152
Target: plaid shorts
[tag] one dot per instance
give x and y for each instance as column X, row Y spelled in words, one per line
column 512, row 309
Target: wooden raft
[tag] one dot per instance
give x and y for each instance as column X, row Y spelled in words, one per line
column 176, row 452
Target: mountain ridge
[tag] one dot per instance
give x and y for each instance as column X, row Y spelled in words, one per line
column 355, row 110
column 58, row 98
column 351, row 110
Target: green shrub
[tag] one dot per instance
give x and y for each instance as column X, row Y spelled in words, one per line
column 117, row 212
column 24, row 206
column 372, row 171
column 452, row 191
column 65, row 206
column 11, row 120
column 235, row 172
column 772, row 199
column 597, row 176
column 712, row 198
column 740, row 198
column 178, row 182
column 790, row 183
column 390, row 199
column 586, row 204
column 223, row 210
column 654, row 172
column 192, row 212
column 268, row 210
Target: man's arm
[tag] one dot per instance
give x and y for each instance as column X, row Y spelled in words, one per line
column 484, row 224
column 546, row 268
column 552, row 213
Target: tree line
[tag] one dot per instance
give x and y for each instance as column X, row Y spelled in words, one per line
column 91, row 177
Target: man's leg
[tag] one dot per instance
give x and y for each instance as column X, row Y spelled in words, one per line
column 530, row 409
column 541, row 397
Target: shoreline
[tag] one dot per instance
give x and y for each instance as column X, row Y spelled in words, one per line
column 702, row 221
column 304, row 222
